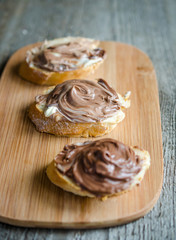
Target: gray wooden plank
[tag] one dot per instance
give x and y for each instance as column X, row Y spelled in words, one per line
column 150, row 26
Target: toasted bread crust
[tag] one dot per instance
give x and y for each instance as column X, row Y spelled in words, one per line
column 42, row 77
column 69, row 129
column 69, row 185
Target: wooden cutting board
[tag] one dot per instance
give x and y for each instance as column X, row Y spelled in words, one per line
column 27, row 197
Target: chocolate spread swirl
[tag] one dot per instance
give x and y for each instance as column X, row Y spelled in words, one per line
column 102, row 167
column 83, row 100
column 67, row 56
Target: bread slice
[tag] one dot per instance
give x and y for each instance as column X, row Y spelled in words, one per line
column 63, row 127
column 29, row 71
column 67, row 184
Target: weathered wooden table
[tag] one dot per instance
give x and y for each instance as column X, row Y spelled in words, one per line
column 150, row 26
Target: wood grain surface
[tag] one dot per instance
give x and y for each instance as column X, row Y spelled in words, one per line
column 28, row 198
column 149, row 25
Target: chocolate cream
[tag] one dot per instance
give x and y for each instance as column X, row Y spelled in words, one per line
column 102, row 167
column 82, row 100
column 66, row 56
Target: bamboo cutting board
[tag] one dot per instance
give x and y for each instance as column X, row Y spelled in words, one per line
column 27, row 198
